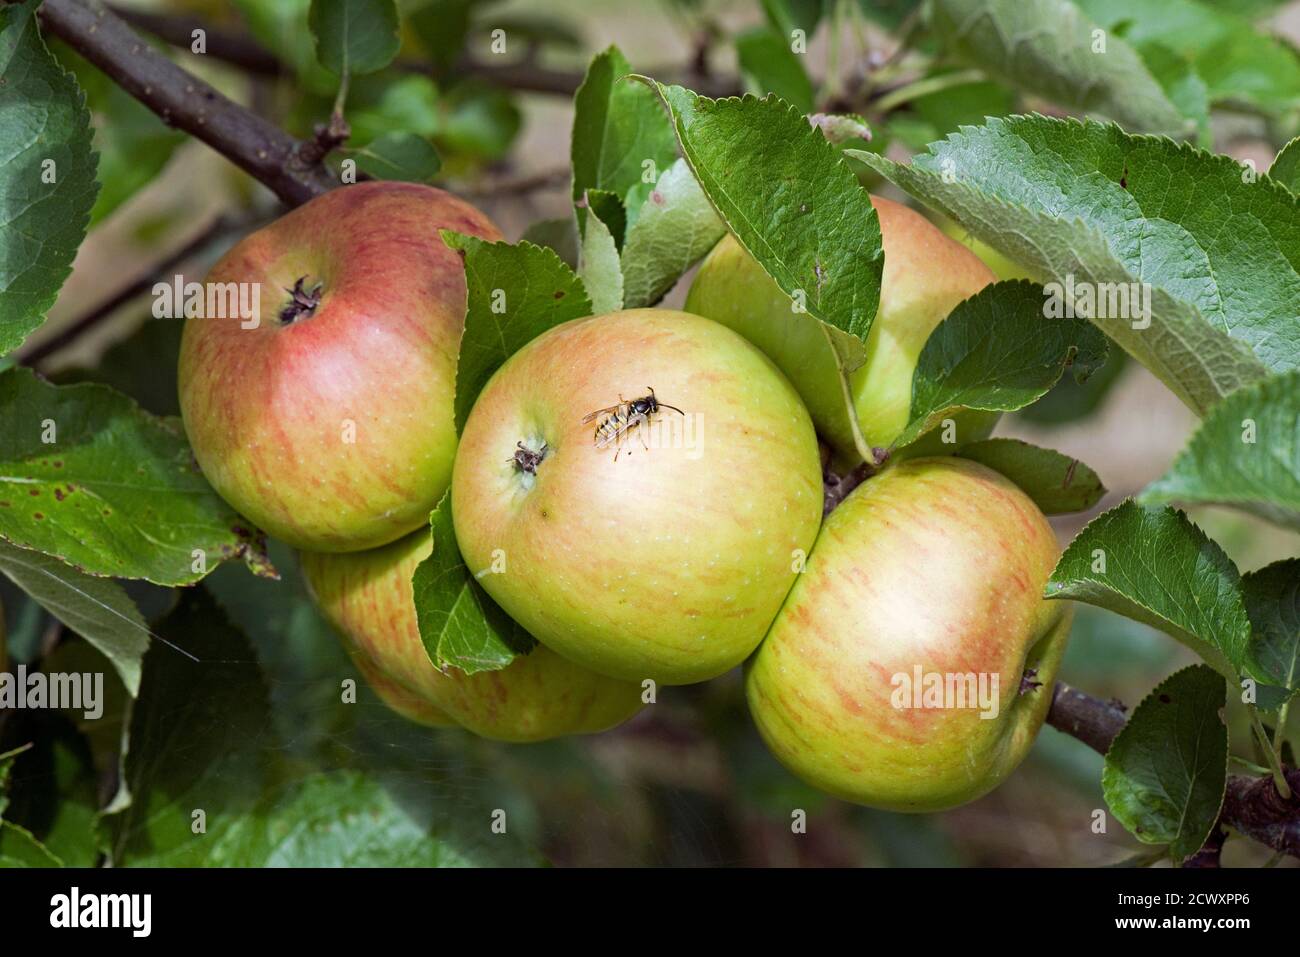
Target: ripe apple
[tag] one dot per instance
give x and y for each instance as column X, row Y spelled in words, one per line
column 925, row 275
column 329, row 423
column 665, row 557
column 934, row 567
column 368, row 598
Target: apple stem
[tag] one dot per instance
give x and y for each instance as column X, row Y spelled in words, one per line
column 836, row 488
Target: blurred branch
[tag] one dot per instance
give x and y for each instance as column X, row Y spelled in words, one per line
column 1251, row 806
column 524, row 76
column 142, row 283
column 184, row 101
column 516, row 185
column 228, row 46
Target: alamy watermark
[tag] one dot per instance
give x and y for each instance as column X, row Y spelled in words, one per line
column 943, row 691
column 1099, row 300
column 179, row 299
column 73, row 691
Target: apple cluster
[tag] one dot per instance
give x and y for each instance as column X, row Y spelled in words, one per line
column 641, row 491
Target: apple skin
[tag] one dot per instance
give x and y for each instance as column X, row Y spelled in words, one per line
column 668, row 563
column 266, row 409
column 368, row 598
column 937, row 562
column 925, row 275
column 1002, row 266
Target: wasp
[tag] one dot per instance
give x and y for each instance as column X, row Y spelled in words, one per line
column 617, row 422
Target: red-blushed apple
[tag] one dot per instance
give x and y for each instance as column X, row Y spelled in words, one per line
column 926, row 274
column 661, row 551
column 329, row 423
column 892, row 676
column 368, row 598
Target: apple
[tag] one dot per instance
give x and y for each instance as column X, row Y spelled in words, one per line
column 664, row 555
column 327, row 420
column 925, row 275
column 1002, row 266
column 928, row 577
column 367, row 597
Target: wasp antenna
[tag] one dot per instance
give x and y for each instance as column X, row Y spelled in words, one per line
column 665, row 405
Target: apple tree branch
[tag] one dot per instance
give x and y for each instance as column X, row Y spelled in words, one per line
column 1251, row 805
column 287, row 166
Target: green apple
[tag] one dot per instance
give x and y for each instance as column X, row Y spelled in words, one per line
column 666, row 553
column 368, row 598
column 925, row 275
column 326, row 419
column 893, row 675
column 1002, row 267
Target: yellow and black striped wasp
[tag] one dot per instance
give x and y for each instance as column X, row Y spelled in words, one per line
column 620, row 421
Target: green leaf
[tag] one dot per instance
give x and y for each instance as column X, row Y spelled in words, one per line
column 477, row 121
column 90, row 478
column 55, row 792
column 1185, row 87
column 621, row 139
column 441, row 26
column 1154, row 566
column 1167, row 770
column 769, row 63
column 95, row 608
column 790, row 200
column 1070, row 400
column 611, row 211
column 599, row 266
column 1048, row 47
column 1286, row 168
column 796, row 208
column 348, row 819
column 515, row 293
column 47, row 175
column 789, row 15
column 997, row 351
column 354, row 36
column 1246, row 454
column 677, row 226
column 283, row 26
column 399, row 156
column 1099, row 210
column 1273, row 603
column 18, row 848
column 1057, row 483
column 1237, row 62
column 202, row 738
column 461, row 627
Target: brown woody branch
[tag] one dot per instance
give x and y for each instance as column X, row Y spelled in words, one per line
column 1251, row 806
column 184, row 101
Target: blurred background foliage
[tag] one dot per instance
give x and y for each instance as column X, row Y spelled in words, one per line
column 688, row 782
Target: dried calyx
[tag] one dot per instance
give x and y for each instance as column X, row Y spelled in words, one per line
column 526, row 459
column 303, row 301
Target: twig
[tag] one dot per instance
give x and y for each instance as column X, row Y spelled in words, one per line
column 138, row 286
column 1251, row 806
column 184, row 101
column 836, row 488
column 515, row 186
